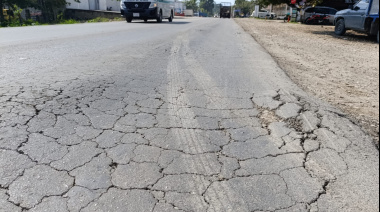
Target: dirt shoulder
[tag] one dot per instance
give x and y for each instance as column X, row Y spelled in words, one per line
column 341, row 70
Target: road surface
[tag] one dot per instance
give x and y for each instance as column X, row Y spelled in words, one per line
column 192, row 116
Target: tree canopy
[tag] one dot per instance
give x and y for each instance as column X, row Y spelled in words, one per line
column 46, row 6
column 245, row 6
column 192, row 5
column 207, row 5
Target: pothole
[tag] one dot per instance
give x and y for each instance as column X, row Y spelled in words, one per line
column 267, row 117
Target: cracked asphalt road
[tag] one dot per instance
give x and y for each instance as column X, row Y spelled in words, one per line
column 193, row 116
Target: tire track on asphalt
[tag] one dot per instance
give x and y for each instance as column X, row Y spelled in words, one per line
column 185, row 136
column 209, row 86
column 215, row 95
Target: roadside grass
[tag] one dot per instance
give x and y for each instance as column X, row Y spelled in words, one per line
column 30, row 22
column 70, row 21
column 102, row 19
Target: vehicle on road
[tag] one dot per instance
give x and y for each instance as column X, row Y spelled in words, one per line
column 319, row 15
column 147, row 10
column 362, row 17
column 189, row 13
column 225, row 10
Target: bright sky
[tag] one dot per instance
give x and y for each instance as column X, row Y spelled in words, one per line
column 220, row 1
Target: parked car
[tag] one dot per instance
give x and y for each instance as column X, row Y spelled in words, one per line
column 362, row 17
column 272, row 15
column 321, row 15
column 264, row 14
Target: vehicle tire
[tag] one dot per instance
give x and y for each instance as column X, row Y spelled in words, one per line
column 159, row 19
column 309, row 21
column 171, row 18
column 129, row 20
column 146, row 20
column 378, row 37
column 340, row 27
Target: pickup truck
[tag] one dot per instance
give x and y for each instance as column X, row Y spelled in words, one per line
column 362, row 17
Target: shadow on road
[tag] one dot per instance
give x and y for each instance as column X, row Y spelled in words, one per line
column 155, row 22
column 350, row 36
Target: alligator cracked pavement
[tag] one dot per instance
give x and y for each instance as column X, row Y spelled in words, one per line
column 192, row 117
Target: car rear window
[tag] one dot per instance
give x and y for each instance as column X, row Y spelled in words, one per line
column 322, row 10
column 330, row 11
column 333, row 11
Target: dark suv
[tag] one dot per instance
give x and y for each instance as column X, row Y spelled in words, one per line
column 321, row 13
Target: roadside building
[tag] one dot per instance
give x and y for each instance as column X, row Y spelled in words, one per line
column 281, row 10
column 111, row 5
column 103, row 5
column 31, row 13
column 180, row 8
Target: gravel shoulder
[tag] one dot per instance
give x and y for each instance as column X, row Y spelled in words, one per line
column 341, row 70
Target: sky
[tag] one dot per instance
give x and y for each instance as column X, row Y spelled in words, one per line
column 220, row 1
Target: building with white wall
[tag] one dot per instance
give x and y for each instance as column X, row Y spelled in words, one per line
column 180, row 8
column 104, row 5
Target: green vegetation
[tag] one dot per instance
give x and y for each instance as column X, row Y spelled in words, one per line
column 49, row 8
column 192, row 5
column 52, row 12
column 207, row 6
column 247, row 6
column 203, row 6
column 30, row 22
column 102, row 19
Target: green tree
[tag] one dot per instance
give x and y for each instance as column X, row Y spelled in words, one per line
column 48, row 7
column 192, row 5
column 216, row 8
column 12, row 4
column 207, row 5
column 245, row 6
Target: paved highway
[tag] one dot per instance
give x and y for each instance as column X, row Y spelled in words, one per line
column 191, row 116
